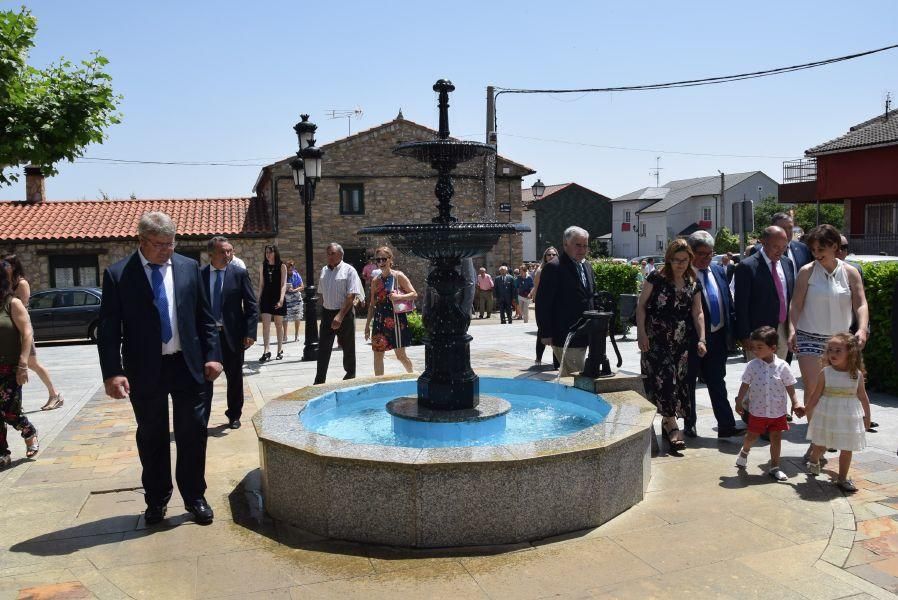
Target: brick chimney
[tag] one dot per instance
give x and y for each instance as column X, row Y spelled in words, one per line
column 35, row 190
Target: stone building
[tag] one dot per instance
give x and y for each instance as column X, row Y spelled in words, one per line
column 364, row 184
column 72, row 242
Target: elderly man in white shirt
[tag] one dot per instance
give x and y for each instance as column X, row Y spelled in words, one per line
column 339, row 286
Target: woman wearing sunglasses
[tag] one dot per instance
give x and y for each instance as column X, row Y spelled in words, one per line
column 550, row 254
column 390, row 330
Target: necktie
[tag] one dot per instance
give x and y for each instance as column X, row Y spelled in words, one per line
column 161, row 301
column 713, row 299
column 583, row 276
column 779, row 291
column 216, row 296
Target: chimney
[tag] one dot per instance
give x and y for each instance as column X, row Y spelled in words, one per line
column 35, row 190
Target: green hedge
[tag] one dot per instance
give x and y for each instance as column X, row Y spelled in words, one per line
column 417, row 328
column 879, row 285
column 617, row 278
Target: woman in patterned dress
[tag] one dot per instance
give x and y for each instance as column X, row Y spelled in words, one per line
column 293, row 299
column 390, row 330
column 670, row 321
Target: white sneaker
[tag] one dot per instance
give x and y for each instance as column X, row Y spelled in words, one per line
column 778, row 474
column 814, row 468
column 742, row 460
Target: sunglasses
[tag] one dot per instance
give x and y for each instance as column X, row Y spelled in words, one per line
column 551, row 254
column 844, row 247
column 381, row 259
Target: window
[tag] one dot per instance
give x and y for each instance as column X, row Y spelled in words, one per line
column 706, row 213
column 880, row 219
column 642, row 232
column 39, row 301
column 74, row 270
column 626, row 216
column 660, row 245
column 352, row 199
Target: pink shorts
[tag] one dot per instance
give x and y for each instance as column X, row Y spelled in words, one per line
column 761, row 425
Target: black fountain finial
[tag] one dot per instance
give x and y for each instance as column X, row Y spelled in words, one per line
column 443, row 87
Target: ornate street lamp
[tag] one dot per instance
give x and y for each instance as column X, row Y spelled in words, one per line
column 538, row 189
column 306, row 169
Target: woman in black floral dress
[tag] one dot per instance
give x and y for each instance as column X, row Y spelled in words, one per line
column 390, row 331
column 669, row 320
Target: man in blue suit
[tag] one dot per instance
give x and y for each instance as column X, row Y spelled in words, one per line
column 157, row 337
column 718, row 310
column 236, row 315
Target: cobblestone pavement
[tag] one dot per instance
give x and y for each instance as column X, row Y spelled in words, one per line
column 71, row 524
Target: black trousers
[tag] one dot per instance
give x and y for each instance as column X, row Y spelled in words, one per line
column 233, row 370
column 505, row 309
column 345, row 335
column 713, row 370
column 191, row 403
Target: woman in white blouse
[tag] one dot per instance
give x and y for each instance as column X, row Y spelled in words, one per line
column 828, row 293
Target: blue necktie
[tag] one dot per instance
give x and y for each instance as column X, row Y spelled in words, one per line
column 161, row 301
column 216, row 296
column 713, row 300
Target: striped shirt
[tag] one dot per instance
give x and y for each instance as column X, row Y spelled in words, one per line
column 337, row 283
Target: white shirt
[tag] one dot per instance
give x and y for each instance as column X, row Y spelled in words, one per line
column 767, row 395
column 779, row 271
column 712, row 281
column 827, row 306
column 212, row 271
column 337, row 283
column 236, row 261
column 174, row 344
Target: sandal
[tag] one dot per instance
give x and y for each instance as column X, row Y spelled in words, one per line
column 53, row 402
column 280, row 355
column 32, row 446
column 847, row 486
column 674, row 444
column 264, row 357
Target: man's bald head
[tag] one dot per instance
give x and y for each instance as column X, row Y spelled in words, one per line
column 774, row 240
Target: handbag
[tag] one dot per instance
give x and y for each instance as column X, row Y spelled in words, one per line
column 401, row 306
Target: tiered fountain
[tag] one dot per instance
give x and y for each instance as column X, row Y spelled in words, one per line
column 433, row 462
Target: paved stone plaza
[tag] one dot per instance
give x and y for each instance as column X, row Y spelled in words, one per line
column 71, row 521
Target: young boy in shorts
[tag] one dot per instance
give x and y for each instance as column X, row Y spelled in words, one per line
column 767, row 381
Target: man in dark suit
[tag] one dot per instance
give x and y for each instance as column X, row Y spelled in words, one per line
column 156, row 337
column 797, row 253
column 236, row 316
column 764, row 283
column 718, row 308
column 565, row 291
column 503, row 289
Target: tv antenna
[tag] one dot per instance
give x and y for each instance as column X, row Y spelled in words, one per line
column 657, row 171
column 349, row 115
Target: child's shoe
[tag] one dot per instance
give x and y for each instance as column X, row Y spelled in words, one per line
column 742, row 459
column 846, row 485
column 814, row 468
column 778, row 474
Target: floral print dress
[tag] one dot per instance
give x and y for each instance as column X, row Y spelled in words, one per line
column 671, row 332
column 390, row 330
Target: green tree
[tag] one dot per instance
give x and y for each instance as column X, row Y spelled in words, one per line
column 48, row 115
column 726, row 241
column 806, row 215
column 764, row 211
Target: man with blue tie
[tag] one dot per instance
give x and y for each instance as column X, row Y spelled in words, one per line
column 718, row 310
column 157, row 337
column 236, row 315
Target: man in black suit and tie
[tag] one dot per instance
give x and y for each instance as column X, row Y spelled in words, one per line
column 565, row 291
column 156, row 337
column 503, row 289
column 236, row 316
column 764, row 283
column 797, row 253
column 717, row 307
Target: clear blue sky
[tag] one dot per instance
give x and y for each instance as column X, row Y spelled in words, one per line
column 213, row 81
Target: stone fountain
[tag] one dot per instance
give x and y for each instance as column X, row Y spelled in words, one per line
column 433, row 461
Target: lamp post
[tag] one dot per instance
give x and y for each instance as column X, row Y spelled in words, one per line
column 306, row 173
column 538, row 189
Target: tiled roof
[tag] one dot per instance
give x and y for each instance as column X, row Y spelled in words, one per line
column 527, row 193
column 117, row 219
column 674, row 192
column 879, row 131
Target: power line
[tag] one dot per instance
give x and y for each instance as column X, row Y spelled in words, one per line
column 702, row 81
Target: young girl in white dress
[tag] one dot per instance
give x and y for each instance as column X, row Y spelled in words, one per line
column 838, row 408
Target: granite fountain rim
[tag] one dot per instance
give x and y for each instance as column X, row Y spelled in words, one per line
column 278, row 422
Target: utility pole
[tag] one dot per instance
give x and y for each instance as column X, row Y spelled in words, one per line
column 657, row 171
column 723, row 206
column 489, row 161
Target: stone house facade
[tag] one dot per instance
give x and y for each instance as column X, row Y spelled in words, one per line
column 363, row 183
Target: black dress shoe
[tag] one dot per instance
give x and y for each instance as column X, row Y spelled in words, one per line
column 728, row 433
column 691, row 432
column 201, row 511
column 154, row 514
column 234, row 423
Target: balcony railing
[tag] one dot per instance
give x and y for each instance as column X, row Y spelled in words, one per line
column 800, row 170
column 882, row 243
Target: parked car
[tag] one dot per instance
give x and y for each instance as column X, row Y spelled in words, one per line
column 637, row 260
column 719, row 257
column 65, row 313
column 857, row 260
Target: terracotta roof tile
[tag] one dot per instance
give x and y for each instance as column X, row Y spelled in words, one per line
column 117, row 219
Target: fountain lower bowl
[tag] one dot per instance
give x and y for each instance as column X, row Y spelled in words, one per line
column 444, row 240
column 451, row 496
